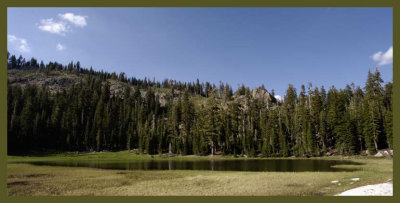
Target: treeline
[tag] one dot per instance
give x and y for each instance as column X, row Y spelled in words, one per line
column 87, row 117
column 198, row 88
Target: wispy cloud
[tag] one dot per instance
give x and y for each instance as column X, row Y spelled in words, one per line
column 19, row 44
column 49, row 25
column 62, row 25
column 60, row 47
column 384, row 58
column 76, row 20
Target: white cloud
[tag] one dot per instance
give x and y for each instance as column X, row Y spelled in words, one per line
column 278, row 97
column 384, row 58
column 19, row 44
column 62, row 25
column 60, row 47
column 76, row 20
column 49, row 25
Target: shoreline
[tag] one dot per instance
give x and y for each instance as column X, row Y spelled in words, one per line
column 131, row 154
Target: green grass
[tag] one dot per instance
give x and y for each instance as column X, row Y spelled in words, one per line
column 26, row 179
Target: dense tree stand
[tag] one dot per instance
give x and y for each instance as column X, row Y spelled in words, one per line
column 194, row 118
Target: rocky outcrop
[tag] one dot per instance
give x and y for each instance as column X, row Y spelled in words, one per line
column 56, row 81
column 261, row 94
column 117, row 89
column 256, row 94
column 384, row 153
column 162, row 98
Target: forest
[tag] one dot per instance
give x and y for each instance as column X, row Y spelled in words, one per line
column 86, row 116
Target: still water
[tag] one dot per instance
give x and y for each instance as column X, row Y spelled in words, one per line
column 282, row 165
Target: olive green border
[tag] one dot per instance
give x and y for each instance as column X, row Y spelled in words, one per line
column 194, row 3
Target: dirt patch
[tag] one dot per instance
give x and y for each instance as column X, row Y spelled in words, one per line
column 318, row 194
column 125, row 183
column 37, row 175
column 30, row 175
column 294, row 185
column 17, row 183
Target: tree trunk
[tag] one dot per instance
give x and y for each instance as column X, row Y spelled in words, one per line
column 212, row 148
column 376, row 145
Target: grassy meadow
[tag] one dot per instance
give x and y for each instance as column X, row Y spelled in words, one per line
column 30, row 180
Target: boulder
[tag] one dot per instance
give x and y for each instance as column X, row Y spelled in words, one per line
column 384, row 153
column 379, row 154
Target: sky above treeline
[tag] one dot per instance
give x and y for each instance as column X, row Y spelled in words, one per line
column 253, row 46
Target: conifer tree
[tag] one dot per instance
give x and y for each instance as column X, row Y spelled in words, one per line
column 129, row 113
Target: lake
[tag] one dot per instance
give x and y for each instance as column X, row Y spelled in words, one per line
column 281, row 165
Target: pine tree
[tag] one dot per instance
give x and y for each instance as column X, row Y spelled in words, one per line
column 98, row 118
column 374, row 124
column 213, row 121
column 388, row 115
column 288, row 117
column 187, row 119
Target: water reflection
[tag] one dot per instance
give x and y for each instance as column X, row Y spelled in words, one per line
column 283, row 165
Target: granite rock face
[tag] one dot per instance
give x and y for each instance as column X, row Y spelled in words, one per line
column 57, row 81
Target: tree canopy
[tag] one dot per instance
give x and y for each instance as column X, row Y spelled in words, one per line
column 87, row 117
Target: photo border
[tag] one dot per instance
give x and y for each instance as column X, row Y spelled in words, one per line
column 195, row 3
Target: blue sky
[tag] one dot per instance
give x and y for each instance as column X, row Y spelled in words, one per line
column 254, row 46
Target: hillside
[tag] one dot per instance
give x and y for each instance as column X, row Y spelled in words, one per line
column 71, row 108
column 59, row 80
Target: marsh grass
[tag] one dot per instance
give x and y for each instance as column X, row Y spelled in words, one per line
column 25, row 179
